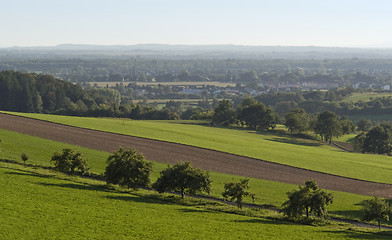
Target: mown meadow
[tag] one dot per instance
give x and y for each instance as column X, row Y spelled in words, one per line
column 40, row 204
column 270, row 193
column 303, row 153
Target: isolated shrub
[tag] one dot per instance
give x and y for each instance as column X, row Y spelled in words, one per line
column 128, row 169
column 376, row 209
column 237, row 191
column 184, row 178
column 24, row 157
column 308, row 199
column 68, row 161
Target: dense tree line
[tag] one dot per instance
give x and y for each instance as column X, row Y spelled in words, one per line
column 24, row 92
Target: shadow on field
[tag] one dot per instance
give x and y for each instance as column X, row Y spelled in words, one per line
column 294, row 141
column 26, row 173
column 350, row 214
column 186, row 210
column 138, row 199
column 347, row 234
column 90, row 187
column 266, row 221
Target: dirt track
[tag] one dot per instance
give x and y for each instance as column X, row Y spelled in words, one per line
column 206, row 159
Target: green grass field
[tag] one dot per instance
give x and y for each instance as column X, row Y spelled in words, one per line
column 283, row 149
column 38, row 204
column 267, row 192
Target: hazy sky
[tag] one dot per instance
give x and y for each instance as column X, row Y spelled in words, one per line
column 242, row 22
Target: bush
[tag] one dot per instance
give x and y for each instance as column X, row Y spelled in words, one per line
column 237, row 191
column 68, row 160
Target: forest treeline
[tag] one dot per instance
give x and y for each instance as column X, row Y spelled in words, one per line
column 26, row 92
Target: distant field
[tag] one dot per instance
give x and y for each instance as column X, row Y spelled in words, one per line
column 111, row 84
column 348, row 138
column 372, row 117
column 37, row 204
column 302, row 153
column 355, row 97
column 267, row 192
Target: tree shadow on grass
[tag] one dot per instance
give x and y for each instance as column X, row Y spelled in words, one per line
column 350, row 234
column 190, row 210
column 91, row 187
column 21, row 172
column 294, row 141
column 268, row 221
column 350, row 214
column 139, row 199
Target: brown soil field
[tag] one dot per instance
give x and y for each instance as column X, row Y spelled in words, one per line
column 210, row 160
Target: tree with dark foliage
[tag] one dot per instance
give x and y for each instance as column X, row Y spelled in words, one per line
column 308, row 199
column 128, row 169
column 184, row 178
column 68, row 161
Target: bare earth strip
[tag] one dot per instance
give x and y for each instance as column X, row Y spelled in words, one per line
column 211, row 160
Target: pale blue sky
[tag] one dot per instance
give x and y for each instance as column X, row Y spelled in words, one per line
column 242, row 22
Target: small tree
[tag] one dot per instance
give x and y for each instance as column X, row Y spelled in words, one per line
column 68, row 160
column 237, row 191
column 128, row 169
column 184, row 178
column 24, row 158
column 376, row 209
column 308, row 199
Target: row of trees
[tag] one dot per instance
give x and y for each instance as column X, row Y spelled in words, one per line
column 127, row 168
column 255, row 115
column 326, row 124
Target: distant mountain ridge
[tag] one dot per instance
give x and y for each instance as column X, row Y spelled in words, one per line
column 204, row 51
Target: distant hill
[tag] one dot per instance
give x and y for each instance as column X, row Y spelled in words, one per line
column 201, row 51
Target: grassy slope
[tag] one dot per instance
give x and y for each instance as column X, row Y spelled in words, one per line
column 38, row 204
column 280, row 149
column 267, row 192
column 365, row 96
